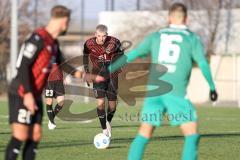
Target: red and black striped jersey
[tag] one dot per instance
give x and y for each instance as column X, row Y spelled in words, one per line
column 56, row 73
column 101, row 56
column 34, row 63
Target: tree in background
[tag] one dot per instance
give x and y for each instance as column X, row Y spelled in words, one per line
column 4, row 40
column 28, row 13
column 213, row 12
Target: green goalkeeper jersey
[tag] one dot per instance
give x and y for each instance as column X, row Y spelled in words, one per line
column 175, row 47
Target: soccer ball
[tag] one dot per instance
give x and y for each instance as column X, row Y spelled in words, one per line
column 101, row 141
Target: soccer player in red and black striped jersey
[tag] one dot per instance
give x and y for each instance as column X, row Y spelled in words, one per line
column 34, row 64
column 102, row 50
column 55, row 89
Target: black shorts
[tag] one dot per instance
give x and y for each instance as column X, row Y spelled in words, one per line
column 54, row 89
column 107, row 89
column 18, row 113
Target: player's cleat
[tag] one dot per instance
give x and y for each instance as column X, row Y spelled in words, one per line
column 51, row 126
column 109, row 128
column 50, row 113
column 213, row 95
column 105, row 131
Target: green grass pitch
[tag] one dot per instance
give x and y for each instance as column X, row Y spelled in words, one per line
column 219, row 127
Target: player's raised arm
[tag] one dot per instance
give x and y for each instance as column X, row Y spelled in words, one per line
column 200, row 59
column 142, row 50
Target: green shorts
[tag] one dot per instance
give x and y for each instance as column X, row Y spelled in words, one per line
column 177, row 110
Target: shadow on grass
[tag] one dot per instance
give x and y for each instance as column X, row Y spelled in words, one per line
column 178, row 137
column 75, row 143
column 132, row 126
column 125, row 126
column 62, row 128
column 5, row 133
column 120, row 126
column 114, row 126
column 115, row 147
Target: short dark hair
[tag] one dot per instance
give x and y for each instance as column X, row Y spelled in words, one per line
column 179, row 7
column 102, row 28
column 60, row 11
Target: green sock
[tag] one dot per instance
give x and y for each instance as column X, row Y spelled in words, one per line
column 190, row 150
column 137, row 148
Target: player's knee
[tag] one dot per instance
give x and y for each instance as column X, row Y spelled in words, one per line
column 146, row 130
column 20, row 132
column 100, row 104
column 101, row 107
column 49, row 101
column 21, row 136
column 189, row 128
column 60, row 100
column 36, row 136
column 37, row 133
column 112, row 108
column 61, row 103
column 112, row 104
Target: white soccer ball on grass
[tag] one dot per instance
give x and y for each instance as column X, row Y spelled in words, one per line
column 101, row 141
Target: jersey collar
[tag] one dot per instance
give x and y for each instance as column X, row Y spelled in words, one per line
column 44, row 34
column 95, row 41
column 178, row 26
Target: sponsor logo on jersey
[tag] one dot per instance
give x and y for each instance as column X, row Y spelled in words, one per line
column 36, row 37
column 93, row 50
column 49, row 48
column 45, row 70
column 29, row 50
